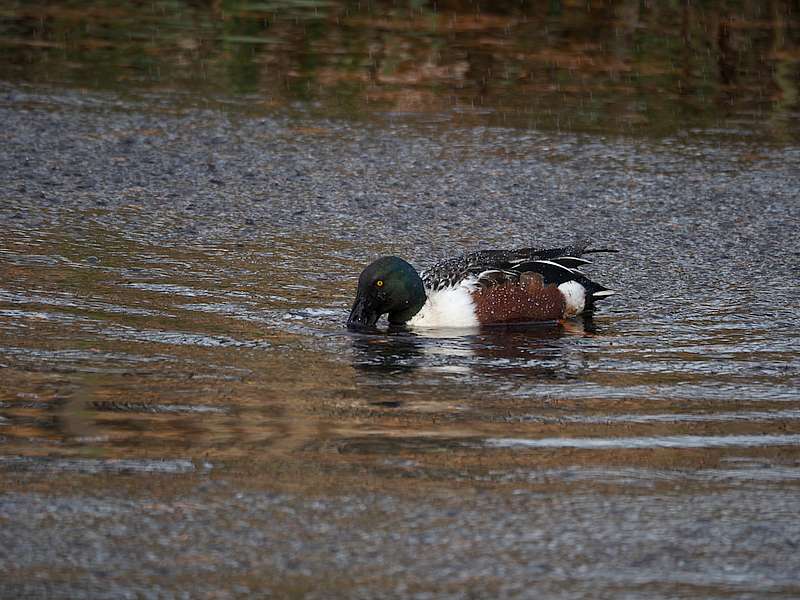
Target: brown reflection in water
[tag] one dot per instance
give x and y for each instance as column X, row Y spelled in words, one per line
column 622, row 66
column 175, row 354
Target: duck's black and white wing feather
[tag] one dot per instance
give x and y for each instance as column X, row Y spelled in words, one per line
column 487, row 268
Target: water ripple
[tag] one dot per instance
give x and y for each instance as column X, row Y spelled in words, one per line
column 86, row 465
column 669, row 441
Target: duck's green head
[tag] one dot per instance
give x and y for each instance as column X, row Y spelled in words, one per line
column 388, row 286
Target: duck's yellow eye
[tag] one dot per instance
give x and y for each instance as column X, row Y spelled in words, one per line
column 379, row 283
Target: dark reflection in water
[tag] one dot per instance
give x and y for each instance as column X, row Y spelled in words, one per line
column 385, row 355
column 532, row 353
column 625, row 66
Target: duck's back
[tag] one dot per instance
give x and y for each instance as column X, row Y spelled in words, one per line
column 508, row 286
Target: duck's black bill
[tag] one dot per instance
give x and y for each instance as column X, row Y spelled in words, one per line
column 363, row 315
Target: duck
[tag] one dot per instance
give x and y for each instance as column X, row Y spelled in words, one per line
column 487, row 287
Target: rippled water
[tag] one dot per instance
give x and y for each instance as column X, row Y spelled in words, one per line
column 125, row 351
column 182, row 222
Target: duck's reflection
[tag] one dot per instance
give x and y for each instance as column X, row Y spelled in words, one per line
column 388, row 354
column 522, row 353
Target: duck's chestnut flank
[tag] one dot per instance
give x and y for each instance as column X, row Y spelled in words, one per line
column 480, row 288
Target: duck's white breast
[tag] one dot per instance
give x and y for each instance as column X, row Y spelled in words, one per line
column 450, row 307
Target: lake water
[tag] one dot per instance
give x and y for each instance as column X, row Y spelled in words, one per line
column 189, row 194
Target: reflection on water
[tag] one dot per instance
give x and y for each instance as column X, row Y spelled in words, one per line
column 522, row 351
column 625, row 66
column 106, row 360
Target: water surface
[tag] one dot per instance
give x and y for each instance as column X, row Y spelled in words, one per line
column 189, row 192
column 116, row 348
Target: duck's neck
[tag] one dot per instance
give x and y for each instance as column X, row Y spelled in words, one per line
column 414, row 302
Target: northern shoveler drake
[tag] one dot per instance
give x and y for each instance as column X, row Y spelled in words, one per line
column 480, row 288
